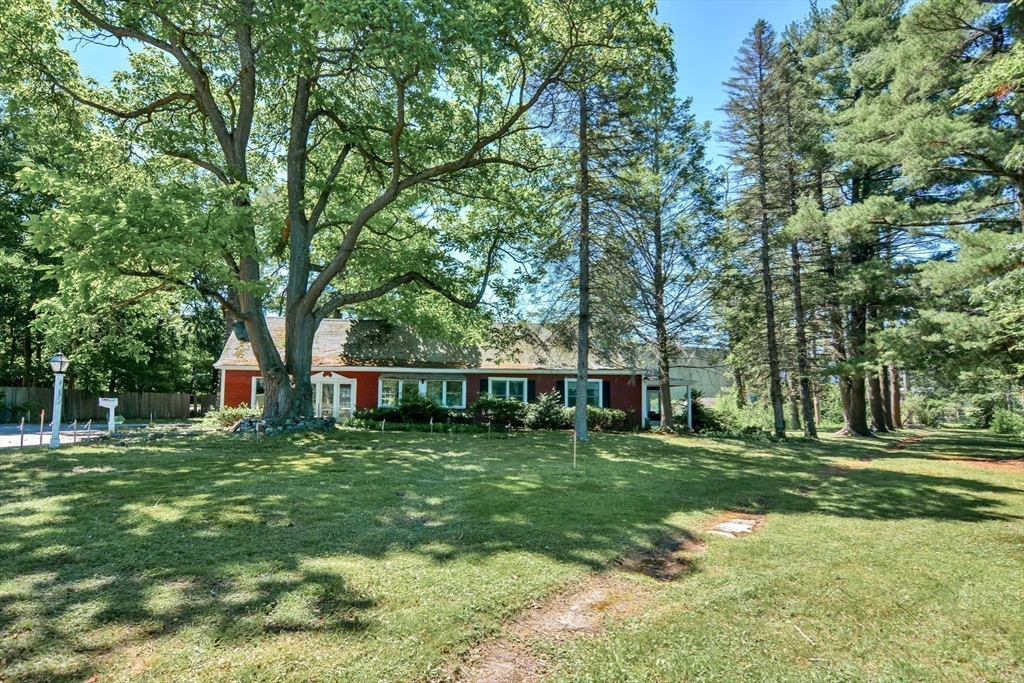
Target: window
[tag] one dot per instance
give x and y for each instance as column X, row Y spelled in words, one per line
column 508, row 388
column 593, row 392
column 449, row 393
column 444, row 392
column 258, row 394
column 388, row 392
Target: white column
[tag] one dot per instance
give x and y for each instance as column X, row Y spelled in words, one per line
column 58, row 403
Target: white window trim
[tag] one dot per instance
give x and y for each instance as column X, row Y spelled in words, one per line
column 422, row 390
column 600, row 391
column 526, row 385
column 252, row 391
column 336, row 379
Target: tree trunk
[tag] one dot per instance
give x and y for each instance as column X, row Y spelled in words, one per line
column 794, row 401
column 665, row 388
column 583, row 327
column 838, row 339
column 883, row 376
column 894, row 388
column 741, row 388
column 875, row 397
column 775, row 381
column 817, row 405
column 858, row 415
column 803, row 367
column 664, row 343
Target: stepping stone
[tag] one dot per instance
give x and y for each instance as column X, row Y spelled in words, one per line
column 733, row 527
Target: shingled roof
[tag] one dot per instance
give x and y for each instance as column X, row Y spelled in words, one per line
column 368, row 343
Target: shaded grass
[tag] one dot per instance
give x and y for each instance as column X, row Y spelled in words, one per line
column 361, row 556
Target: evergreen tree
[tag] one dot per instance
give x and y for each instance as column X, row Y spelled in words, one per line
column 751, row 130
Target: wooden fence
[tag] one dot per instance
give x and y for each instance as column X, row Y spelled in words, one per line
column 84, row 405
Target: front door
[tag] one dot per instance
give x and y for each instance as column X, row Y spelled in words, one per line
column 333, row 399
column 654, row 405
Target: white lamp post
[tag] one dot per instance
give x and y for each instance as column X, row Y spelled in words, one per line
column 59, row 364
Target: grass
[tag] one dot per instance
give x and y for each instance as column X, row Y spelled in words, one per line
column 358, row 556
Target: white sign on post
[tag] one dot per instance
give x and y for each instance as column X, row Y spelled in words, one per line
column 109, row 404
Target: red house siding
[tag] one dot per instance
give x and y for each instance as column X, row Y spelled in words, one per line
column 626, row 390
column 238, row 387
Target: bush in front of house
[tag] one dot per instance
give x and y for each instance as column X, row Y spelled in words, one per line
column 501, row 411
column 705, row 419
column 548, row 412
column 598, row 419
column 227, row 417
column 412, row 409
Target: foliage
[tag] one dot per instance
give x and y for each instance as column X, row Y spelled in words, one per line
column 984, row 407
column 599, row 419
column 500, row 411
column 925, row 410
column 369, row 157
column 705, row 419
column 1005, row 422
column 228, row 416
column 547, row 412
column 412, row 408
column 753, row 415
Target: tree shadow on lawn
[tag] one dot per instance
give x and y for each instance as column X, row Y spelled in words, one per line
column 962, row 444
column 148, row 541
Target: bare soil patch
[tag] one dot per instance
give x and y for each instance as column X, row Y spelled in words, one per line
column 580, row 611
column 584, row 609
column 900, row 445
column 668, row 561
column 736, row 524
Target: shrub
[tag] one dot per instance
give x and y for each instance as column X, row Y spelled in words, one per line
column 598, row 419
column 984, row 407
column 226, row 417
column 923, row 410
column 415, row 408
column 411, row 409
column 502, row 411
column 547, row 412
column 1005, row 422
column 377, row 414
column 705, row 419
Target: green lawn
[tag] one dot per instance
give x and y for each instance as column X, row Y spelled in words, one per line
column 368, row 557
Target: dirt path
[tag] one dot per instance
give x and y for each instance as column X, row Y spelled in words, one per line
column 584, row 609
column 900, row 445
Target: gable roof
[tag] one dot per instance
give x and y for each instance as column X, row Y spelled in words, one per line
column 368, row 343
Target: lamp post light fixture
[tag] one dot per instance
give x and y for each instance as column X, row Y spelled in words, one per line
column 59, row 364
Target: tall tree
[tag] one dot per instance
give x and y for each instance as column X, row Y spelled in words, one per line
column 583, row 316
column 752, row 133
column 661, row 244
column 799, row 139
column 368, row 113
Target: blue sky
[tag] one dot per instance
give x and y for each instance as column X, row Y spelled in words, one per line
column 707, row 35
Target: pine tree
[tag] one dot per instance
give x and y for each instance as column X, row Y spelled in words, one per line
column 752, row 134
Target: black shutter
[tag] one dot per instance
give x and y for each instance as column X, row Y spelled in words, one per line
column 560, row 388
column 531, row 390
column 606, row 394
column 483, row 385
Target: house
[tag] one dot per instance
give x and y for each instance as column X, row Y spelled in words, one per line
column 365, row 364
